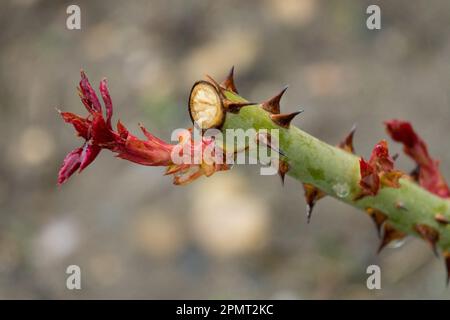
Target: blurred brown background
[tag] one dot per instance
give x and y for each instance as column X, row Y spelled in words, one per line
column 236, row 234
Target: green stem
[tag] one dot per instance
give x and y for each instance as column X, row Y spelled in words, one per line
column 336, row 172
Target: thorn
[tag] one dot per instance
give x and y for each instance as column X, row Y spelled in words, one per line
column 415, row 173
column 440, row 218
column 447, row 265
column 309, row 209
column 283, row 168
column 347, row 144
column 284, row 120
column 390, row 234
column 273, row 104
column 312, row 195
column 378, row 218
column 429, row 234
column 235, row 107
column 395, row 157
column 228, row 83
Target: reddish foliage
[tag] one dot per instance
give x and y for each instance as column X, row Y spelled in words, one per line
column 99, row 134
column 429, row 175
column 378, row 171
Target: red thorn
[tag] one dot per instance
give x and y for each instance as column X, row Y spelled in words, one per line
column 390, row 234
column 429, row 234
column 283, row 168
column 312, row 195
column 273, row 104
column 228, row 83
column 440, row 218
column 284, row 120
column 378, row 218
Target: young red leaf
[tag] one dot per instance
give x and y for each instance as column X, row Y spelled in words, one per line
column 88, row 95
column 378, row 172
column 429, row 175
column 90, row 152
column 107, row 100
column 80, row 124
column 70, row 164
column 98, row 134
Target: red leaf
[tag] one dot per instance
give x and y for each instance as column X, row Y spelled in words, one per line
column 145, row 153
column 98, row 134
column 80, row 124
column 70, row 164
column 121, row 130
column 88, row 95
column 90, row 152
column 378, row 172
column 101, row 134
column 107, row 100
column 370, row 182
column 429, row 175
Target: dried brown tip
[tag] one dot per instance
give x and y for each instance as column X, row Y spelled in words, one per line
column 205, row 105
column 347, row 144
column 429, row 234
column 447, row 265
column 284, row 120
column 235, row 107
column 228, row 83
column 378, row 218
column 283, row 168
column 312, row 195
column 390, row 234
column 273, row 104
column 440, row 218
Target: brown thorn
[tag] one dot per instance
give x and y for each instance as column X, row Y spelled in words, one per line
column 440, row 218
column 283, row 168
column 235, row 107
column 390, row 234
column 272, row 105
column 284, row 120
column 347, row 144
column 447, row 265
column 415, row 173
column 312, row 195
column 395, row 157
column 378, row 218
column 429, row 234
column 228, row 83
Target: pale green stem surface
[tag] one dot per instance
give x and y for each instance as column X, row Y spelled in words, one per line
column 336, row 172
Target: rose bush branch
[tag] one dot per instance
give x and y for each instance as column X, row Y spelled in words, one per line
column 400, row 204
